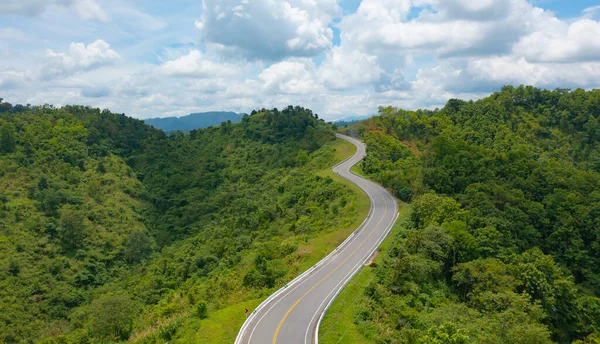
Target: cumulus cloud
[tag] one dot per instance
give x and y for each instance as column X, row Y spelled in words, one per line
column 481, row 10
column 510, row 70
column 340, row 105
column 243, row 89
column 476, row 77
column 198, row 65
column 266, row 29
column 11, row 79
column 291, row 77
column 95, row 92
column 86, row 9
column 450, row 28
column 472, row 47
column 79, row 58
column 574, row 42
column 348, row 69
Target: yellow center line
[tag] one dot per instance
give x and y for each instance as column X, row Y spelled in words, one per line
column 329, row 274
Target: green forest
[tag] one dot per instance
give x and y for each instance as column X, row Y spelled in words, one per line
column 502, row 240
column 112, row 231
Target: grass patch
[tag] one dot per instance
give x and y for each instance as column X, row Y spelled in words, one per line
column 220, row 327
column 358, row 171
column 338, row 325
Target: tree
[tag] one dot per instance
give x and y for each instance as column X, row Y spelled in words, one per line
column 4, row 106
column 72, row 230
column 446, row 334
column 302, row 158
column 202, row 310
column 404, row 193
column 101, row 169
column 112, row 317
column 7, row 139
column 138, row 247
column 14, row 268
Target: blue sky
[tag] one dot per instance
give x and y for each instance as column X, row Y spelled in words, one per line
column 341, row 58
column 566, row 8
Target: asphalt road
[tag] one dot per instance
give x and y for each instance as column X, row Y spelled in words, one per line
column 293, row 313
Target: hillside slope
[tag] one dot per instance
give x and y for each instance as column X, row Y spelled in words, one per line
column 112, row 230
column 501, row 244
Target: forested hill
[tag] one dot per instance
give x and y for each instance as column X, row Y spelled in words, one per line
column 193, row 121
column 503, row 242
column 110, row 230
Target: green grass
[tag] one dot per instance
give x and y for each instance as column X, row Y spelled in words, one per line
column 217, row 328
column 338, row 324
column 358, row 171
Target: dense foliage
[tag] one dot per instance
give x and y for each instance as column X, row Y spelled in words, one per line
column 111, row 230
column 503, row 243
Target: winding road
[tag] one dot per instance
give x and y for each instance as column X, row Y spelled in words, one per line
column 293, row 314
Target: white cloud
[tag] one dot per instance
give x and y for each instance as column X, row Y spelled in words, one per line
column 590, row 12
column 12, row 79
column 133, row 86
column 86, row 9
column 196, row 64
column 475, row 77
column 338, row 105
column 267, row 29
column 290, row 77
column 9, row 33
column 90, row 10
column 349, row 69
column 95, row 92
column 138, row 20
column 574, row 42
column 244, row 89
column 24, row 7
column 510, row 70
column 480, row 10
column 80, row 57
column 453, row 28
column 153, row 100
column 471, row 48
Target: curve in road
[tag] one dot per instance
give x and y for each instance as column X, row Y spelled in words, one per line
column 293, row 313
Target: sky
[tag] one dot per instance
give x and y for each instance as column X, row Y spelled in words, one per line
column 340, row 58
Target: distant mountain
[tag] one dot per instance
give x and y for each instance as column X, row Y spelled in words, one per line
column 347, row 121
column 193, row 121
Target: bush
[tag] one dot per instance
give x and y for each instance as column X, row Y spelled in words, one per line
column 112, row 317
column 202, row 310
column 404, row 193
